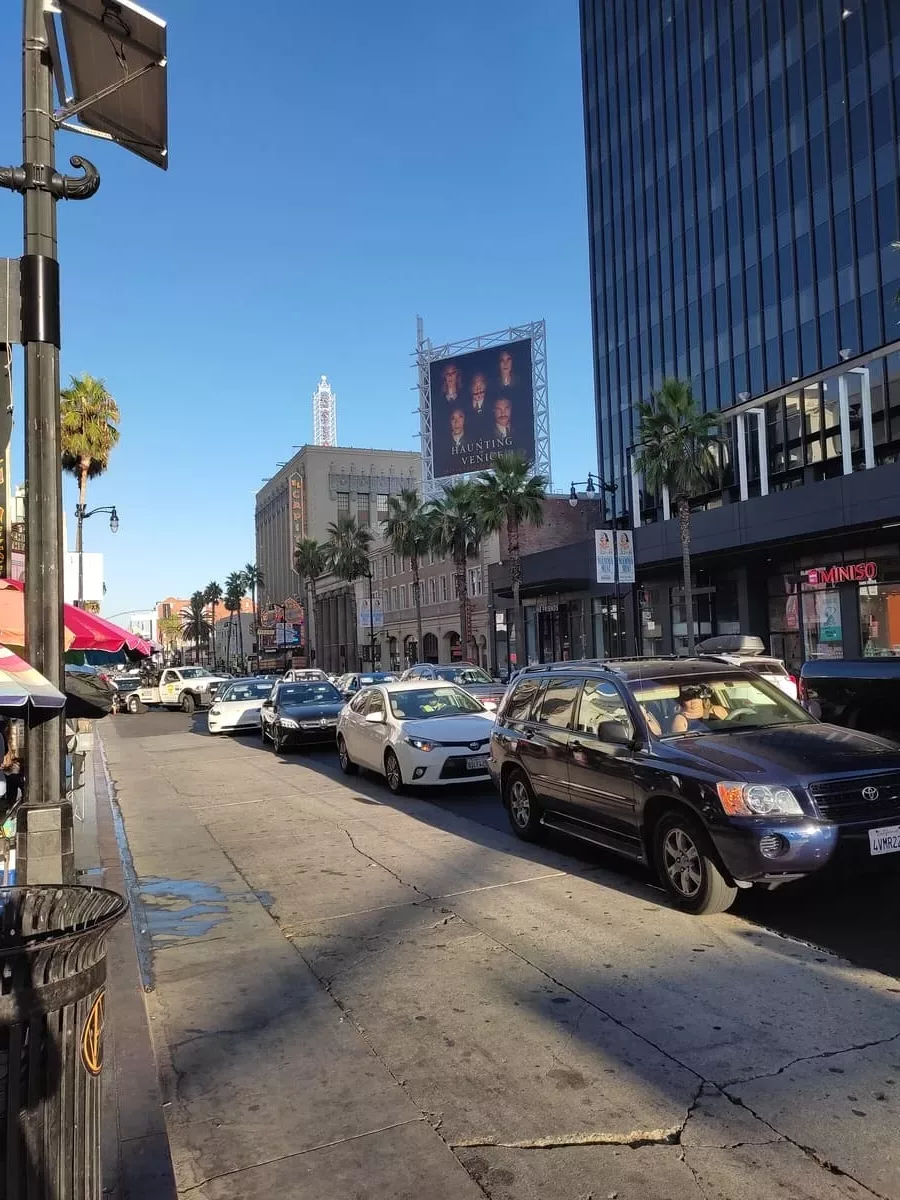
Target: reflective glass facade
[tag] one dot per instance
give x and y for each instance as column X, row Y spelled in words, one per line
column 743, row 197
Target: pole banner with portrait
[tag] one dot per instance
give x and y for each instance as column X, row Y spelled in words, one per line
column 606, row 555
column 482, row 405
column 625, row 555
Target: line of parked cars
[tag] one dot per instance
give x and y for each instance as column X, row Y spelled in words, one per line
column 707, row 770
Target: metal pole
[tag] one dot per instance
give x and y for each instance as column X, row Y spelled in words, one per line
column 620, row 646
column 79, row 549
column 48, row 851
column 371, row 622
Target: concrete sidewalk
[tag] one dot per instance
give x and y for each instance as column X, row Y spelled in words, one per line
column 356, row 996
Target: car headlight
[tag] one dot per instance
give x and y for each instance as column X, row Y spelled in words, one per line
column 288, row 723
column 758, row 800
column 215, row 712
column 420, row 743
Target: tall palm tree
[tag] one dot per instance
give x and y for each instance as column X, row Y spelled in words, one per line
column 254, row 579
column 310, row 561
column 407, row 531
column 235, row 587
column 89, row 432
column 677, row 449
column 455, row 529
column 507, row 498
column 347, row 556
column 213, row 595
column 194, row 625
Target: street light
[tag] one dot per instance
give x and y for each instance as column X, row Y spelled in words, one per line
column 81, row 515
column 284, row 653
column 591, row 485
column 370, row 577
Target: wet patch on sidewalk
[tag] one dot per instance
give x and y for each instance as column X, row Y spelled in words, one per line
column 180, row 908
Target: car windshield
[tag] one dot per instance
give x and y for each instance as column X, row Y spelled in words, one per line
column 253, row 689
column 309, row 693
column 421, row 703
column 710, row 703
column 194, row 673
column 463, row 675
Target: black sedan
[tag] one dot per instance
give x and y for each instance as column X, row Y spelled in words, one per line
column 301, row 714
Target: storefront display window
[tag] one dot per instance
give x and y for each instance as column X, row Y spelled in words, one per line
column 823, row 633
column 879, row 611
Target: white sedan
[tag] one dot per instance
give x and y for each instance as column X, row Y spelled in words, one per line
column 237, row 705
column 422, row 733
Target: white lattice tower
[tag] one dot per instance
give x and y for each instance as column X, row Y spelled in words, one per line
column 324, row 414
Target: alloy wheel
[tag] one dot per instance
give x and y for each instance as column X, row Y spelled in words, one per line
column 392, row 770
column 520, row 803
column 682, row 863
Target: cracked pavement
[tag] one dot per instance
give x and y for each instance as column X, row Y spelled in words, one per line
column 357, row 995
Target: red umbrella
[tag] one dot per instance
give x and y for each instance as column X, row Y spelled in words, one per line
column 89, row 632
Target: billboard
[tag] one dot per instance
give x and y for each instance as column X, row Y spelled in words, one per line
column 482, row 405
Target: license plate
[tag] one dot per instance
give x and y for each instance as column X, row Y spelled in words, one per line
column 480, row 764
column 885, row 840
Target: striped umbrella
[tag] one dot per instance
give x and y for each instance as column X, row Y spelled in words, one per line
column 21, row 686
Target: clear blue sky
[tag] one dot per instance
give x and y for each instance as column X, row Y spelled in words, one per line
column 332, row 175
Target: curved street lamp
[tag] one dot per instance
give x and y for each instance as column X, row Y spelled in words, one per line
column 81, row 515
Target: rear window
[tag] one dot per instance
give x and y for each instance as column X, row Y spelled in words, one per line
column 518, row 706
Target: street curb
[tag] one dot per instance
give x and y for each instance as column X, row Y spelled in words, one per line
column 136, row 1157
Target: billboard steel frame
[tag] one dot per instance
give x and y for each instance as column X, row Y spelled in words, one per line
column 426, row 354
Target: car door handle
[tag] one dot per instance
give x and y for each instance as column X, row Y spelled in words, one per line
column 576, row 745
column 529, row 735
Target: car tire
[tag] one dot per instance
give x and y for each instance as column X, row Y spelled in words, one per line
column 277, row 741
column 348, row 766
column 392, row 773
column 134, row 704
column 687, row 867
column 522, row 808
column 188, row 703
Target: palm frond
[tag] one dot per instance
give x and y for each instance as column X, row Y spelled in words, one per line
column 677, row 441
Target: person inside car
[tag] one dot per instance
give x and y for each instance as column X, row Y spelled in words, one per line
column 697, row 708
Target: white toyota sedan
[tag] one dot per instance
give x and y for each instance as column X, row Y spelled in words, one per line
column 424, row 733
column 237, row 705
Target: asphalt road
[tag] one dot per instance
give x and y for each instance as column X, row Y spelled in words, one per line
column 856, row 917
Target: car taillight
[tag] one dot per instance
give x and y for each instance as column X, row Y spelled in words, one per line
column 801, row 686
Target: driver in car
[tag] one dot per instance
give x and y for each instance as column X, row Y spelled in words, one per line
column 697, row 708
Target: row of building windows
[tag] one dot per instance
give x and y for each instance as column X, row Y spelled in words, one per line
column 436, row 590
column 363, row 510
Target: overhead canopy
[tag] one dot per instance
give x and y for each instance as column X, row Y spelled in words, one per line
column 83, row 630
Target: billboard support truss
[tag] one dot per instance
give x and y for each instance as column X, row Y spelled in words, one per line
column 426, row 354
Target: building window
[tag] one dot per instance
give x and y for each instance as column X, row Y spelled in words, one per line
column 362, row 508
column 381, row 508
column 384, row 566
column 393, row 598
column 393, row 564
column 432, row 590
column 443, row 587
column 343, row 501
column 403, row 595
column 474, row 581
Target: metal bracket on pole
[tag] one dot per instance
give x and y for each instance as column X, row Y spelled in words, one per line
column 10, row 303
column 42, row 178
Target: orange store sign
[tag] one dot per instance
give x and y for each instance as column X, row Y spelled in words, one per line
column 861, row 572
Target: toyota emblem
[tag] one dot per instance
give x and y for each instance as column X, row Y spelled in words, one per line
column 474, row 745
column 870, row 793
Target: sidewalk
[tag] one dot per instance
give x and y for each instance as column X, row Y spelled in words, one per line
column 357, row 996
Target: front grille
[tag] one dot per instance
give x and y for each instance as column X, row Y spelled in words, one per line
column 842, row 799
column 455, row 768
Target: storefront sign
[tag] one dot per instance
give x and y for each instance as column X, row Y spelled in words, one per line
column 861, row 572
column 625, row 555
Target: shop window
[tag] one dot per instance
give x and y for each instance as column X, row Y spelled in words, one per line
column 879, row 611
column 823, row 635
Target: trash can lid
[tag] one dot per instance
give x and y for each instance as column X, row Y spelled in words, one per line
column 33, row 917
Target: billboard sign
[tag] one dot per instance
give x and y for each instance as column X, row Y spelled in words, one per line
column 482, row 405
column 606, row 556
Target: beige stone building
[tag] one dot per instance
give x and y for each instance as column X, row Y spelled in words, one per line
column 309, row 492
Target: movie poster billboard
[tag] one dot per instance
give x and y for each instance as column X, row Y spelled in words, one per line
column 482, row 405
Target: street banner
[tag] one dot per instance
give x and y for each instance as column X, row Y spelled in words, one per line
column 625, row 555
column 605, row 555
column 377, row 614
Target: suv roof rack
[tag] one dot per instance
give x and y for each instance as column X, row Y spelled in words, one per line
column 610, row 663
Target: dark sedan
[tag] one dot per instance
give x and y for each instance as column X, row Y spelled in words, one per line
column 301, row 714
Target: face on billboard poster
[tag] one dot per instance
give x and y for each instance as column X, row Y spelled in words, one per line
column 482, row 405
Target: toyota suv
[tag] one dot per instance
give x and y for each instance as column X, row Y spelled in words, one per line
column 706, row 772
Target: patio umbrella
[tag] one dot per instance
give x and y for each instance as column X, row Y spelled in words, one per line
column 83, row 630
column 23, row 688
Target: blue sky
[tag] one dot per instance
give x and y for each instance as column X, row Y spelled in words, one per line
column 331, row 176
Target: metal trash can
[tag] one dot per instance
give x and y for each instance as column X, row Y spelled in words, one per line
column 52, row 988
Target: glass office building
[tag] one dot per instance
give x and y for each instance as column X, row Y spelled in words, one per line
column 742, row 165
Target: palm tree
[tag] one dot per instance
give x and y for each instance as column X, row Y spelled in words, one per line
column 310, row 561
column 88, row 433
column 407, row 531
column 677, row 445
column 235, row 587
column 169, row 629
column 455, row 529
column 194, row 625
column 213, row 596
column 507, row 497
column 347, row 555
column 254, row 579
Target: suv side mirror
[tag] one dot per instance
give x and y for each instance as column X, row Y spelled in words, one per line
column 615, row 733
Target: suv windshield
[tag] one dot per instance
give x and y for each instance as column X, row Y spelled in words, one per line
column 463, row 675
column 309, row 693
column 711, row 703
column 422, row 703
column 254, row 690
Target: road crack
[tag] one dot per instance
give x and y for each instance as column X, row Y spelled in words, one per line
column 804, row 1058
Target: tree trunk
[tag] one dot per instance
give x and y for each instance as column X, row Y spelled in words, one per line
column 415, row 571
column 213, row 664
column 79, row 528
column 462, row 595
column 228, row 641
column 515, row 577
column 684, row 525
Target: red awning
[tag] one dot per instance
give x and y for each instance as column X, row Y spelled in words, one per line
column 89, row 632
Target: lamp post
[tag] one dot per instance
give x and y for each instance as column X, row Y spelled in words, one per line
column 283, row 608
column 591, row 486
column 371, row 618
column 81, row 515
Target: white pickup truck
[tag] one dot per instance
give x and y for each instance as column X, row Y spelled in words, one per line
column 187, row 688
